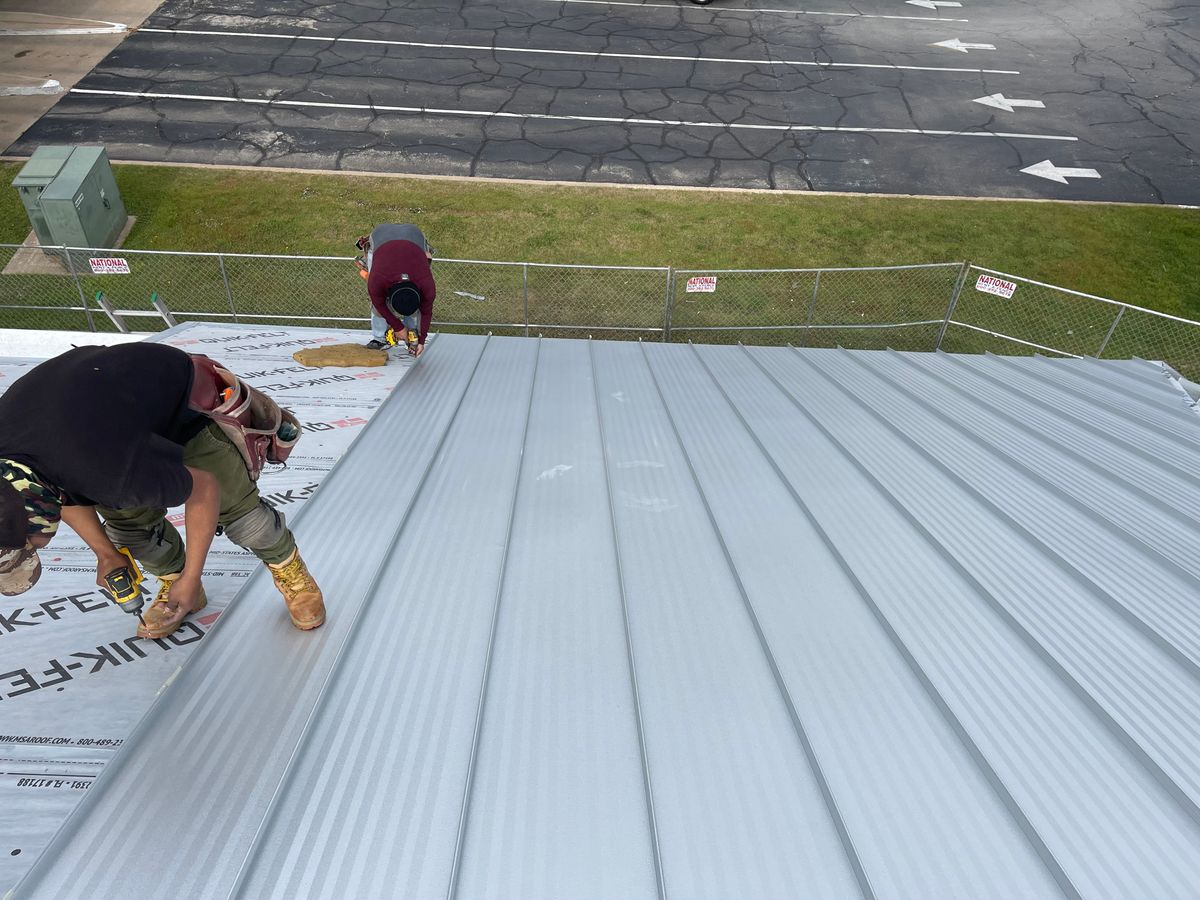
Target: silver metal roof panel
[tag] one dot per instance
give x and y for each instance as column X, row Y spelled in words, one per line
column 1131, row 380
column 731, row 778
column 1112, row 410
column 700, row 622
column 1128, row 458
column 924, row 819
column 415, row 661
column 934, row 571
column 558, row 783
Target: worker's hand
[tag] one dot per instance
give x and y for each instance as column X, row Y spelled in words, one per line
column 185, row 594
column 108, row 562
column 420, row 349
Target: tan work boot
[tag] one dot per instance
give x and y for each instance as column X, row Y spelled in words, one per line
column 159, row 620
column 304, row 601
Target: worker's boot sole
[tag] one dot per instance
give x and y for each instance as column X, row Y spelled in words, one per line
column 310, row 625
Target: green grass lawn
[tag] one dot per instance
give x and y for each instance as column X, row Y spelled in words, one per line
column 1143, row 255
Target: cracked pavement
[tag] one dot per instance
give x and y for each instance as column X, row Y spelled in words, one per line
column 1119, row 79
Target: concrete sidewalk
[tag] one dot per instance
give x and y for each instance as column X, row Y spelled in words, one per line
column 28, row 61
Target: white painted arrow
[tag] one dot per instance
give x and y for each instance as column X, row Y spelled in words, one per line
column 931, row 4
column 956, row 44
column 1048, row 170
column 999, row 101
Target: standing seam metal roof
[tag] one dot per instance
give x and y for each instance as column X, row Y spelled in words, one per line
column 611, row 619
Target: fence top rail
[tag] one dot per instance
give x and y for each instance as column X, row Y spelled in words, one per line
column 535, row 265
column 132, row 252
column 843, row 327
column 1054, row 287
column 956, row 265
column 211, row 254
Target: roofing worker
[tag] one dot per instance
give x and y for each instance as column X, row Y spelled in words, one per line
column 124, row 433
column 400, row 284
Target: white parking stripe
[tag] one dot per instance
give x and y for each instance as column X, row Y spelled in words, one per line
column 589, row 54
column 614, row 120
column 47, row 86
column 90, row 26
column 107, row 28
column 793, row 12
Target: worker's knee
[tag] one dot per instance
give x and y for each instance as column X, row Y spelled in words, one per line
column 259, row 529
column 158, row 548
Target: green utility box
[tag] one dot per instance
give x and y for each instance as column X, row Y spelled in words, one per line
column 71, row 197
column 35, row 176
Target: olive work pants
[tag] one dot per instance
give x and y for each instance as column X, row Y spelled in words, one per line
column 246, row 518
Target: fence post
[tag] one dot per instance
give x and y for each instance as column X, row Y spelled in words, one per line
column 669, row 305
column 1111, row 330
column 525, row 292
column 87, row 309
column 812, row 311
column 228, row 292
column 958, row 286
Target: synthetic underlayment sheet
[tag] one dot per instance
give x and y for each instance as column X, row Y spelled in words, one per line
column 73, row 678
column 661, row 620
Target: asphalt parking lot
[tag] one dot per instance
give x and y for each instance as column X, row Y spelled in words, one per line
column 994, row 98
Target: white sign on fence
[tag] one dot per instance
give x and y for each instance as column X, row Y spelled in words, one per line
column 998, row 286
column 701, row 284
column 107, row 265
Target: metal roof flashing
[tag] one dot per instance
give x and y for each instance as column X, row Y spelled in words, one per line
column 625, row 619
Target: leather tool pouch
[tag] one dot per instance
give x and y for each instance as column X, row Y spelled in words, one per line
column 250, row 419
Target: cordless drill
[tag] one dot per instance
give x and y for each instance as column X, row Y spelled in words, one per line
column 125, row 585
column 411, row 340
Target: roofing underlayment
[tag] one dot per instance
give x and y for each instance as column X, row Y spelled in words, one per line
column 616, row 620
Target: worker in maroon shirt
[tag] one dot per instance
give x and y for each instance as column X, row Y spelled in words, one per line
column 400, row 283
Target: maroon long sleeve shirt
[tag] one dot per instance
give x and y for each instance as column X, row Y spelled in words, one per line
column 389, row 262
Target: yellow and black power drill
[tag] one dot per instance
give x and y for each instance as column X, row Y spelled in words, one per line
column 125, row 585
column 411, row 340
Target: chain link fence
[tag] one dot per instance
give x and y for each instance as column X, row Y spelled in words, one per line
column 903, row 307
column 956, row 307
column 1001, row 313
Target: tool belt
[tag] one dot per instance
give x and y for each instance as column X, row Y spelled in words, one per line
column 250, row 419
